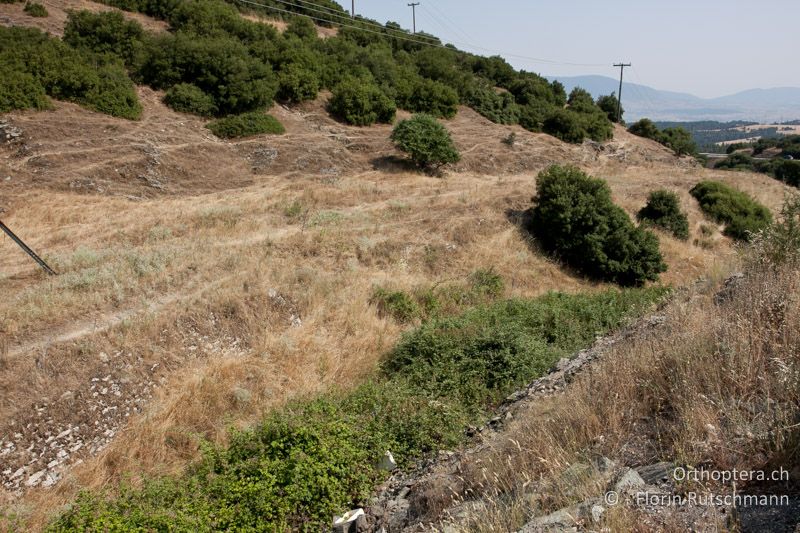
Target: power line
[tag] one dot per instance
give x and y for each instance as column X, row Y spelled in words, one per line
column 448, row 21
column 405, row 36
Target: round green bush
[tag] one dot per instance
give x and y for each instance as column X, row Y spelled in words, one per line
column 663, row 209
column 427, row 142
column 188, row 98
column 361, row 103
column 246, row 125
column 576, row 220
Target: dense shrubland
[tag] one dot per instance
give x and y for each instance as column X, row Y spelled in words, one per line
column 33, row 64
column 213, row 62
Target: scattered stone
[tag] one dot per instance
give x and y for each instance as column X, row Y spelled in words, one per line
column 387, row 462
column 630, row 481
column 352, row 522
column 657, row 473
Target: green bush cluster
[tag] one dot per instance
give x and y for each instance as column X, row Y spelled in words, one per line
column 318, row 457
column 35, row 9
column 575, row 219
column 393, row 67
column 104, row 33
column 678, row 139
column 246, row 125
column 426, row 141
column 32, row 61
column 361, row 103
column 663, row 210
column 580, row 120
column 741, row 215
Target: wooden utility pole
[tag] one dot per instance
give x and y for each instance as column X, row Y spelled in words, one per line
column 619, row 94
column 413, row 7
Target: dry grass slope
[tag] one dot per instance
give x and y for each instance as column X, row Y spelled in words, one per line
column 202, row 282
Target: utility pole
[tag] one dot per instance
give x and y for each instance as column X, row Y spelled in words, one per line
column 413, row 7
column 353, row 10
column 619, row 94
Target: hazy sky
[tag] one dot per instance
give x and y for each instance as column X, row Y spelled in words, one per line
column 704, row 47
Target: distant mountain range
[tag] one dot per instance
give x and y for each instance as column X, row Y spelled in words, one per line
column 758, row 105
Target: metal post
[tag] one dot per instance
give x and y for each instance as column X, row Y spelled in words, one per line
column 27, row 250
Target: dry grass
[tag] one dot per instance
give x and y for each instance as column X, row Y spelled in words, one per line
column 195, row 288
column 718, row 386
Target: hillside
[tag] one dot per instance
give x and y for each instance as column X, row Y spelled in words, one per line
column 206, row 283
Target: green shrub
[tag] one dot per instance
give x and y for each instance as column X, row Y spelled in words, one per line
column 566, row 125
column 246, row 125
column 487, row 282
column 188, row 98
column 433, row 98
column 481, row 356
column 499, row 108
column 779, row 243
column 532, row 116
column 396, row 304
column 20, row 90
column 645, row 128
column 787, row 171
column 741, row 215
column 427, row 142
column 735, row 161
column 576, row 219
column 663, row 209
column 35, row 10
column 678, row 139
column 361, row 103
column 297, row 84
column 103, row 33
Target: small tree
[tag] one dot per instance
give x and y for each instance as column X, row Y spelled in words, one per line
column 427, row 142
column 645, row 128
column 663, row 209
column 608, row 104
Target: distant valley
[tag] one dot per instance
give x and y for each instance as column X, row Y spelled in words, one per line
column 760, row 105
